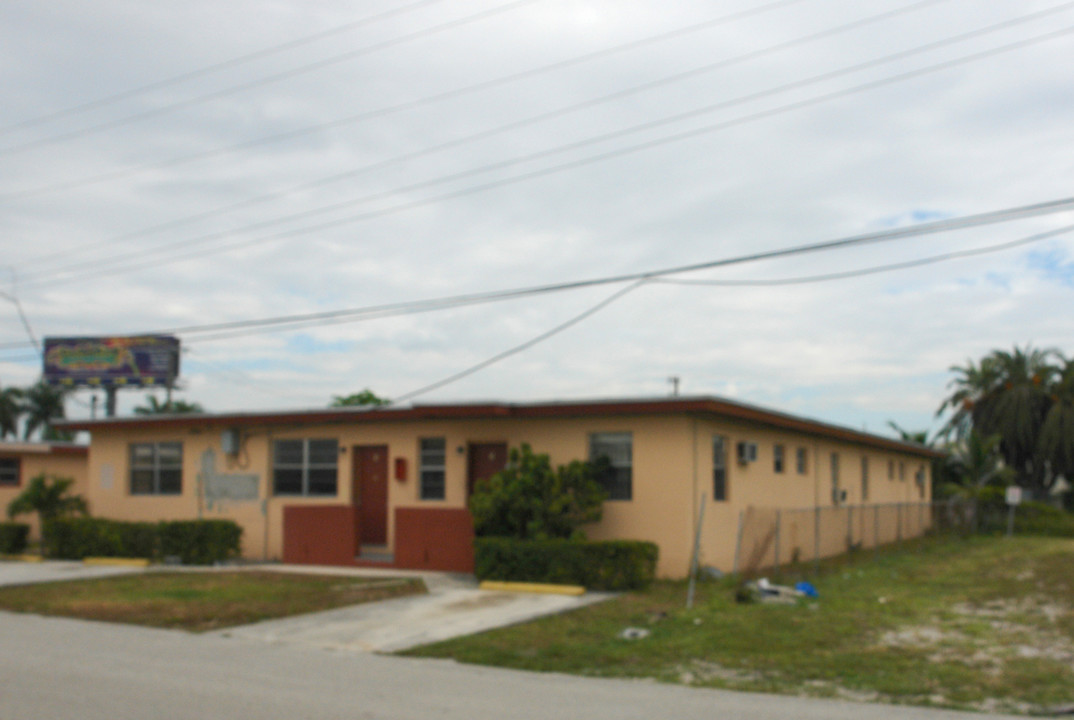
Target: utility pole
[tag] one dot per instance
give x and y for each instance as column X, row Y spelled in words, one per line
column 674, row 380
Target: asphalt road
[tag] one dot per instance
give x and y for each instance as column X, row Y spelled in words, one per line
column 58, row 668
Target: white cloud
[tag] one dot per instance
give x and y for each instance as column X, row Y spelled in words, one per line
column 976, row 137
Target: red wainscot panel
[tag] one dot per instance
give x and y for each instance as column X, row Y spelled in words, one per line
column 434, row 539
column 320, row 534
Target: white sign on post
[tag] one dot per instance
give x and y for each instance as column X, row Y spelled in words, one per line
column 1014, row 495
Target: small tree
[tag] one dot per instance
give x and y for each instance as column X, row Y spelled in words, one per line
column 49, row 498
column 365, row 397
column 529, row 500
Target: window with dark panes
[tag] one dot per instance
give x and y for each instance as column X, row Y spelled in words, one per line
column 617, row 449
column 156, row 468
column 801, row 460
column 719, row 468
column 836, row 491
column 432, row 468
column 864, row 478
column 9, row 472
column 305, row 467
column 777, row 458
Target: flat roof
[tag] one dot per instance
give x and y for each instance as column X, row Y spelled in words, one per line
column 701, row 406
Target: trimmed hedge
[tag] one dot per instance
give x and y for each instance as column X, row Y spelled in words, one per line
column 13, row 538
column 200, row 542
column 195, row 542
column 611, row 565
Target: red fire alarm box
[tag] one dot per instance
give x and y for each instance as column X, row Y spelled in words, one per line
column 400, row 469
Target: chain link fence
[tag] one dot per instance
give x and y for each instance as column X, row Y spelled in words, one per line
column 771, row 539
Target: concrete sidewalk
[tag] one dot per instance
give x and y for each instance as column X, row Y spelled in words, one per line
column 454, row 607
column 15, row 572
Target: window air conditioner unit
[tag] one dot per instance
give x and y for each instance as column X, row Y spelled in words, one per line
column 747, row 452
column 230, row 441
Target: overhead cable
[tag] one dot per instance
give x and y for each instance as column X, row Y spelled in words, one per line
column 99, row 270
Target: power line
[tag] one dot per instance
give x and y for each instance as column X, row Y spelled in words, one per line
column 215, row 67
column 785, row 281
column 293, row 322
column 304, row 320
column 618, row 152
column 889, row 267
column 267, row 80
column 524, row 346
column 381, row 112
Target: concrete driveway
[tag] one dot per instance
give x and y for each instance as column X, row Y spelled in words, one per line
column 454, row 607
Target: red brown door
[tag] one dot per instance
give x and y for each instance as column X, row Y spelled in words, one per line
column 371, row 493
column 486, row 459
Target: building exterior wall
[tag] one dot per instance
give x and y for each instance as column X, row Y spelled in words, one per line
column 672, row 474
column 41, row 459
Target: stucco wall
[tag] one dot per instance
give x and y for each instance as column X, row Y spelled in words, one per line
column 672, row 468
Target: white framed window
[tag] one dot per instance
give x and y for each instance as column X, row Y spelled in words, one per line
column 618, row 449
column 305, row 467
column 432, row 468
column 156, row 468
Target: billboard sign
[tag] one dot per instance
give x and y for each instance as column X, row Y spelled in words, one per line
column 140, row 361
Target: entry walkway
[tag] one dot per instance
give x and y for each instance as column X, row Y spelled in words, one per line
column 454, row 607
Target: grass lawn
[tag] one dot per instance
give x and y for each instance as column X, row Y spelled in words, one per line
column 199, row 601
column 983, row 623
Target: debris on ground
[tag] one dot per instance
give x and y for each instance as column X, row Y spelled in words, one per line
column 763, row 591
column 634, row 633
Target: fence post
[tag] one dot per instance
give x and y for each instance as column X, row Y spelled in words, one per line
column 738, row 542
column 697, row 553
column 775, row 568
column 898, row 522
column 850, row 527
column 816, row 539
column 876, row 527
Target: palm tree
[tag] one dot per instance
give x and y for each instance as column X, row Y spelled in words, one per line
column 1008, row 395
column 49, row 498
column 1057, row 432
column 43, row 403
column 10, row 411
column 156, row 407
column 976, row 462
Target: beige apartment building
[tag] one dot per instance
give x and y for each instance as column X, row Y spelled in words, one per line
column 389, row 486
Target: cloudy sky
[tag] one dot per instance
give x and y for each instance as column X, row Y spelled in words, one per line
column 182, row 165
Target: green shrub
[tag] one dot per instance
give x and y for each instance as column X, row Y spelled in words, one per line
column 77, row 538
column 611, row 565
column 1030, row 517
column 193, row 541
column 13, row 538
column 530, row 500
column 200, row 542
